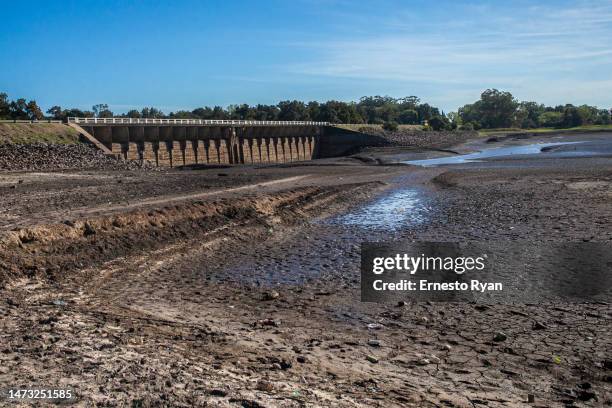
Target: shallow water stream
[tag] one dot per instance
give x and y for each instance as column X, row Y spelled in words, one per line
column 530, row 149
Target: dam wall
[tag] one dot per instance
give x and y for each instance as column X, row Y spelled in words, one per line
column 184, row 142
column 189, row 145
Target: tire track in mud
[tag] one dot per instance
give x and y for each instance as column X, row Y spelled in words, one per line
column 55, row 251
column 57, row 216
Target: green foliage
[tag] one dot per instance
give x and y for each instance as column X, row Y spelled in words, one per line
column 550, row 119
column 390, row 126
column 5, row 106
column 497, row 109
column 439, row 123
column 101, row 111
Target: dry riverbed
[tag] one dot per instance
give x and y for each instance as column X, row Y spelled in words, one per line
column 240, row 286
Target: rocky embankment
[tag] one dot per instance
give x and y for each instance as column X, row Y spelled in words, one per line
column 48, row 157
column 422, row 139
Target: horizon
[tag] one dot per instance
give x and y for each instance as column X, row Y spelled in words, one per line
column 188, row 55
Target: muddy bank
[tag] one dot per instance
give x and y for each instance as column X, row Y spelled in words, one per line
column 54, row 251
column 250, row 297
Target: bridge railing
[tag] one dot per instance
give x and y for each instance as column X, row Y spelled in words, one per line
column 30, row 121
column 149, row 121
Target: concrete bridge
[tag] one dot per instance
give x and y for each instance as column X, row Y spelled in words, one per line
column 178, row 142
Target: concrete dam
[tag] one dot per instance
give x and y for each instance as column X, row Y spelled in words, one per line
column 182, row 142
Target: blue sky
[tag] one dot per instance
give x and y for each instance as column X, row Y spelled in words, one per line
column 184, row 54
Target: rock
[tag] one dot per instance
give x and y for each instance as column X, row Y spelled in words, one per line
column 447, row 347
column 374, row 343
column 434, row 359
column 48, row 156
column 268, row 322
column 500, row 336
column 88, row 229
column 266, row 386
column 585, row 395
column 375, row 326
column 372, row 359
column 423, row 361
column 538, row 326
column 270, row 295
column 401, row 303
column 48, row 320
column 301, row 359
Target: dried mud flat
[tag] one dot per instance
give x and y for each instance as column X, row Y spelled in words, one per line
column 233, row 287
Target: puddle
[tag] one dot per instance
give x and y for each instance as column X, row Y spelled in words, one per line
column 530, row 149
column 390, row 212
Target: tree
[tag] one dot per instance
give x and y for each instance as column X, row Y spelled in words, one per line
column 439, row 123
column 550, row 119
column 408, row 117
column 314, row 111
column 572, row 117
column 133, row 113
column 495, row 109
column 56, row 112
column 101, row 111
column 426, row 112
column 19, row 109
column 292, row 110
column 151, row 113
column 455, row 120
column 528, row 114
column 603, row 117
column 33, row 111
column 5, row 106
column 182, row 114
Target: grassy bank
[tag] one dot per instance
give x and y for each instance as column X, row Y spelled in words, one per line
column 489, row 132
column 27, row 133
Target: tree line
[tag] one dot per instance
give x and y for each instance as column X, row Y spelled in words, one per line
column 499, row 109
column 494, row 109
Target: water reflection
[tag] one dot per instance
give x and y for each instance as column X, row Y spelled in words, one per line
column 390, row 212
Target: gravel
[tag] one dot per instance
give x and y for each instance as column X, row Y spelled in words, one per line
column 45, row 157
column 419, row 138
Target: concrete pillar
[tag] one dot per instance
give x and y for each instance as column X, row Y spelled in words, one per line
column 267, row 143
column 217, row 143
column 206, row 143
column 258, row 143
column 290, row 148
column 249, row 143
column 275, row 146
column 284, row 148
